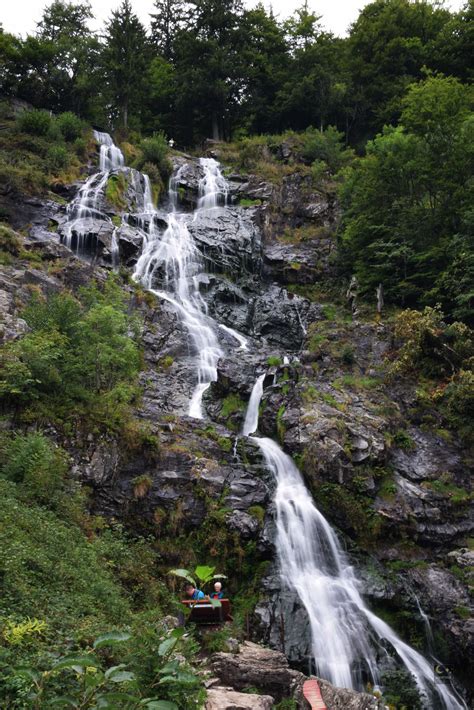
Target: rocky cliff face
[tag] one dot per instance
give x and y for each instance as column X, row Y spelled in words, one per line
column 372, row 461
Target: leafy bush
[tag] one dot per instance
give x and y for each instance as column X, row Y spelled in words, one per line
column 327, row 146
column 400, row 689
column 57, row 158
column 37, row 122
column 459, row 403
column 155, row 150
column 70, row 125
column 80, row 358
column 9, row 240
column 36, row 464
column 429, row 345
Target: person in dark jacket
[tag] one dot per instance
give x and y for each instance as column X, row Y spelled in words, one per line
column 194, row 593
column 217, row 593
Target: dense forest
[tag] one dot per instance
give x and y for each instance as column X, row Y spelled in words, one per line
column 397, row 90
column 334, row 270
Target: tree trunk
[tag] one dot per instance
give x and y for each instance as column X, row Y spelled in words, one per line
column 215, row 127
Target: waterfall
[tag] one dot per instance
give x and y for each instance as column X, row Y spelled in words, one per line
column 313, row 563
column 172, row 261
column 86, row 204
column 251, row 416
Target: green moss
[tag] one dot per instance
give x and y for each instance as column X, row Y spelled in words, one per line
column 280, row 426
column 232, row 404
column 166, row 362
column 402, row 440
column 273, row 361
column 246, row 202
column 353, row 511
column 463, row 612
column 447, row 489
column 115, row 191
column 355, row 382
column 258, row 512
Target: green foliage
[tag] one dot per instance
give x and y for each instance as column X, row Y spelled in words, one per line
column 36, row 465
column 348, row 355
column 399, row 689
column 70, row 125
column 115, row 190
column 155, row 151
column 90, row 680
column 57, row 158
column 231, row 405
column 403, row 440
column 407, row 203
column 36, row 122
column 273, row 361
column 326, row 146
column 79, row 358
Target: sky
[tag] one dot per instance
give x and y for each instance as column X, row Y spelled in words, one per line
column 21, row 16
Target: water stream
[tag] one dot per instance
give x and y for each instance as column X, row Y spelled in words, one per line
column 172, row 260
column 313, row 563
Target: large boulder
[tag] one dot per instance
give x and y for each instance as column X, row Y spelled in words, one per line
column 228, row 699
column 258, row 667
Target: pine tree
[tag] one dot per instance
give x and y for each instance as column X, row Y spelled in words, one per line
column 171, row 17
column 126, row 57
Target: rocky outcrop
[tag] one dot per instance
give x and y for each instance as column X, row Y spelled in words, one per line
column 228, row 699
column 258, row 667
column 343, row 699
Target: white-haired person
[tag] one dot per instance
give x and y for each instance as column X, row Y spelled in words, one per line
column 217, row 593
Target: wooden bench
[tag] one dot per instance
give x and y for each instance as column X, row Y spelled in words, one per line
column 203, row 612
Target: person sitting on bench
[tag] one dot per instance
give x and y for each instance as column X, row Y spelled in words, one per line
column 194, row 593
column 217, row 593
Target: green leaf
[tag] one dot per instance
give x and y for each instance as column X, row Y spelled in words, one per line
column 178, row 633
column 111, row 638
column 122, row 677
column 160, row 705
column 170, row 667
column 92, row 680
column 204, row 573
column 29, row 673
column 184, row 573
column 113, row 669
column 166, row 646
column 109, row 701
column 76, row 661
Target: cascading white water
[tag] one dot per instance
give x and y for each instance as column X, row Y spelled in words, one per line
column 212, row 186
column 173, row 260
column 242, row 340
column 313, row 563
column 111, row 157
column 251, row 416
column 86, row 204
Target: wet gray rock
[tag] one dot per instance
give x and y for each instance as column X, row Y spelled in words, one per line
column 187, row 184
column 130, row 242
column 428, row 459
column 343, row 699
column 282, row 621
column 258, row 667
column 243, row 523
column 227, row 699
column 298, row 263
column 228, row 240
